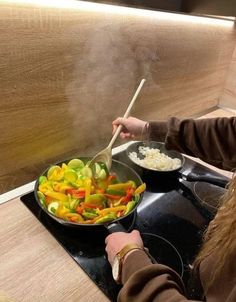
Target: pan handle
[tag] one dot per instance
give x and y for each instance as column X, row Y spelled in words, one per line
column 215, row 180
column 115, row 227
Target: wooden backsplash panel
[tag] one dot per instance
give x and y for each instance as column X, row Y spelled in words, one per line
column 66, row 74
column 228, row 98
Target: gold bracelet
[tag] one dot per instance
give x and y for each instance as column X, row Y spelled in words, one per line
column 118, row 260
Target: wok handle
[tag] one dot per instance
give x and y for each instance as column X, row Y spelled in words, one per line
column 115, row 227
column 215, row 180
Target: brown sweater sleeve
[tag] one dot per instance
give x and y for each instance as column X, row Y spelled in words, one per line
column 212, row 140
column 144, row 281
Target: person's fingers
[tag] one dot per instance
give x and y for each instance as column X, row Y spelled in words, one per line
column 124, row 135
column 109, row 237
column 135, row 232
column 118, row 121
column 114, row 127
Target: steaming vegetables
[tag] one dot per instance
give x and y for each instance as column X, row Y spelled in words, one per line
column 77, row 193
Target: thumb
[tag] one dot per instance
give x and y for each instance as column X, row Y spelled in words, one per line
column 135, row 233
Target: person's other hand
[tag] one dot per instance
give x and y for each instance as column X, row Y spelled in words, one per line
column 116, row 241
column 132, row 127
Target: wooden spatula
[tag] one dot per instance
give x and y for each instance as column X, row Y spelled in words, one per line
column 105, row 155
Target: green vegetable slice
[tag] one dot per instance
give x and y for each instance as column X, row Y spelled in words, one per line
column 42, row 179
column 52, row 207
column 53, row 169
column 87, row 172
column 75, row 164
column 42, row 198
column 70, row 175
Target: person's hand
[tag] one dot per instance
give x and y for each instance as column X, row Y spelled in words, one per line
column 116, row 241
column 132, row 127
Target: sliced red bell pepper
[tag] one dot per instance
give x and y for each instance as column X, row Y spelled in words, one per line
column 84, row 206
column 109, row 196
column 76, row 193
column 79, row 210
column 48, row 199
column 110, row 179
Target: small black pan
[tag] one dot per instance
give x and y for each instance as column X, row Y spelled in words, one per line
column 124, row 173
column 179, row 172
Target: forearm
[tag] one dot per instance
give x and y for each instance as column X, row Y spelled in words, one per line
column 212, row 140
column 144, row 281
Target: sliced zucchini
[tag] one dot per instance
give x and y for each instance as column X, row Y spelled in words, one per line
column 42, row 179
column 70, row 175
column 76, row 164
column 52, row 169
column 87, row 172
column 52, row 207
column 42, row 198
column 102, row 174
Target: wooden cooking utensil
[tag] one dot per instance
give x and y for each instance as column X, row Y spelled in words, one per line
column 105, row 155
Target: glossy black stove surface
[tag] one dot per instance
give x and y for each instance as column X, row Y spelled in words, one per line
column 170, row 219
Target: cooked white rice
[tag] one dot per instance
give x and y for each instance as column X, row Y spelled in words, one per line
column 155, row 160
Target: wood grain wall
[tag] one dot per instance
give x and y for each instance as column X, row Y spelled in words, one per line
column 228, row 98
column 65, row 74
column 210, row 7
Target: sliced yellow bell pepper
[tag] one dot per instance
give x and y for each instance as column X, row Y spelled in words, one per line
column 61, row 187
column 64, row 166
column 76, row 217
column 122, row 186
column 140, row 189
column 87, row 185
column 46, row 186
column 61, row 212
column 55, row 173
column 57, row 196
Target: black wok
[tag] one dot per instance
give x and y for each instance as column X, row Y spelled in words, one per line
column 123, row 172
column 179, row 172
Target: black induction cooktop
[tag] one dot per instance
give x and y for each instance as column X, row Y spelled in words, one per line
column 171, row 219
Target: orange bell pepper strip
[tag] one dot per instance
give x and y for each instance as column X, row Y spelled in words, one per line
column 48, row 199
column 109, row 210
column 110, row 179
column 99, row 191
column 79, row 209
